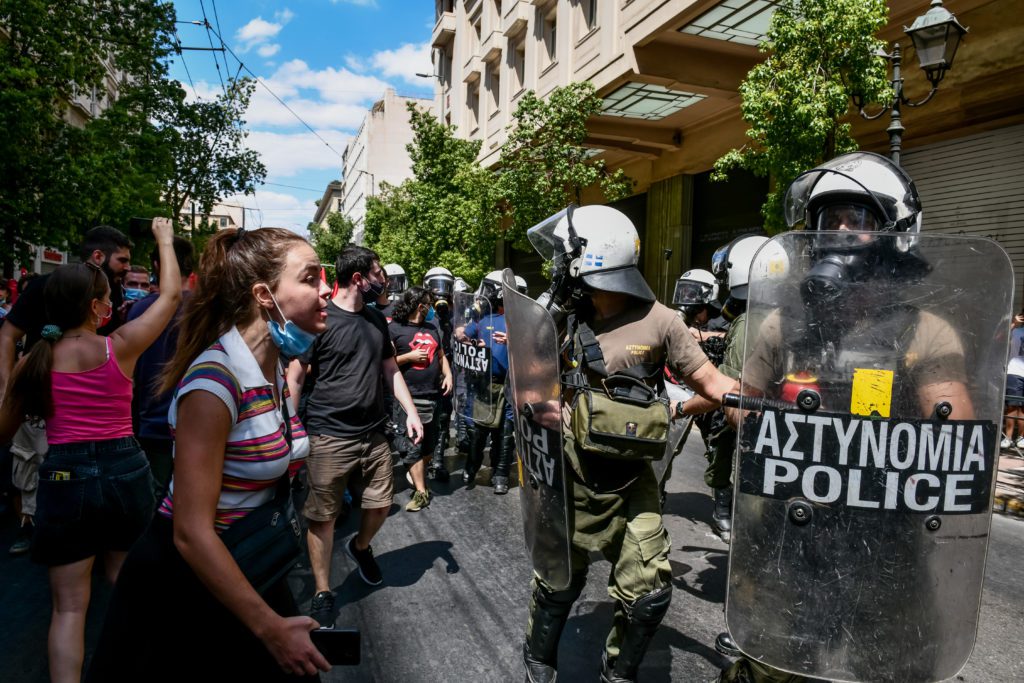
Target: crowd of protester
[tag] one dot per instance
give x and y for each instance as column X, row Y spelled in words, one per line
column 150, row 409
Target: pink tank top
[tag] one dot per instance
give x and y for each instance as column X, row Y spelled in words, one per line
column 93, row 405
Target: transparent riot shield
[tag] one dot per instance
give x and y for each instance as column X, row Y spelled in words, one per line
column 478, row 400
column 536, row 396
column 678, row 430
column 872, row 387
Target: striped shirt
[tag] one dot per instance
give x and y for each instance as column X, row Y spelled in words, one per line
column 256, row 454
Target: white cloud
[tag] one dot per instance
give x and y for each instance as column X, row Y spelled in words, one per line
column 286, row 154
column 259, row 32
column 268, row 50
column 404, row 62
column 355, row 63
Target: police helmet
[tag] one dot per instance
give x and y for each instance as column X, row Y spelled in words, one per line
column 520, row 285
column 398, row 282
column 603, row 243
column 859, row 191
column 695, row 287
column 731, row 263
column 440, row 282
column 460, row 285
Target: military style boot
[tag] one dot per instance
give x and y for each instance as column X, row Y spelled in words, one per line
column 505, row 456
column 643, row 618
column 549, row 610
column 722, row 515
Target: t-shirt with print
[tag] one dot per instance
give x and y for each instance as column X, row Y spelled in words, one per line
column 346, row 360
column 483, row 330
column 423, row 380
column 648, row 333
column 256, row 454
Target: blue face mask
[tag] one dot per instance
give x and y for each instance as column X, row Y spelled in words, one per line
column 429, row 317
column 132, row 294
column 292, row 340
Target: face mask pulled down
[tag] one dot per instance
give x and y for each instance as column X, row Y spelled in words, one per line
column 290, row 339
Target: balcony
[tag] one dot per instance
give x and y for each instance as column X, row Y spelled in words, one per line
column 490, row 49
column 472, row 69
column 444, row 30
column 517, row 15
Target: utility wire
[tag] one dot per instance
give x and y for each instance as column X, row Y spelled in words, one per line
column 206, row 23
column 266, row 87
column 187, row 72
column 294, row 187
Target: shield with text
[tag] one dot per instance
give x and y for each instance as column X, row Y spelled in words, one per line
column 478, row 398
column 535, row 382
column 872, row 389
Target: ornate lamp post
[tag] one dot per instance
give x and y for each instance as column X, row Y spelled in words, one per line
column 936, row 36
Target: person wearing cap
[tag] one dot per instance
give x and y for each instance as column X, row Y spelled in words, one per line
column 615, row 331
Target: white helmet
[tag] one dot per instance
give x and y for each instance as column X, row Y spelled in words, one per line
column 490, row 287
column 604, row 246
column 397, row 280
column 731, row 263
column 862, row 190
column 695, row 287
column 440, row 282
column 521, row 286
column 461, row 285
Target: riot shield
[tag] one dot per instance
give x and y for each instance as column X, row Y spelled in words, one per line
column 537, row 398
column 678, row 430
column 872, row 388
column 478, row 399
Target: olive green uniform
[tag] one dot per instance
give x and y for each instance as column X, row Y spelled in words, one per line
column 722, row 442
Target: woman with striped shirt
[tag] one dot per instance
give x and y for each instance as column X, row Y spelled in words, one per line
column 182, row 607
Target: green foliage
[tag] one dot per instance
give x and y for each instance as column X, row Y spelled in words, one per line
column 821, row 53
column 445, row 215
column 65, row 171
column 544, row 165
column 328, row 240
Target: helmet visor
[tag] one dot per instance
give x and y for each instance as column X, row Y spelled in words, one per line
column 689, row 292
column 853, row 217
column 440, row 286
column 720, row 263
column 542, row 236
column 490, row 290
column 397, row 284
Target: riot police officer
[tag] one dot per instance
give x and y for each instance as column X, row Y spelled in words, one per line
column 441, row 283
column 397, row 283
column 696, row 297
column 617, row 339
column 848, row 586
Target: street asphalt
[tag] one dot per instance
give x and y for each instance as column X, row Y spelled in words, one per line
column 456, row 585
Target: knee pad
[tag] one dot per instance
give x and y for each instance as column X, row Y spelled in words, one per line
column 651, row 608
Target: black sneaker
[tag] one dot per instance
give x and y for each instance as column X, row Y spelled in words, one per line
column 322, row 609
column 438, row 474
column 368, row 568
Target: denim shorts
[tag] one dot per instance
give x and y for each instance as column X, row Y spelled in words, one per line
column 93, row 497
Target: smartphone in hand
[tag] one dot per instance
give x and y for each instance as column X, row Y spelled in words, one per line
column 338, row 646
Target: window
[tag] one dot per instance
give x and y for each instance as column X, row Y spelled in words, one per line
column 550, row 34
column 446, row 64
column 497, row 12
column 494, row 76
column 475, row 36
column 473, row 104
column 518, row 54
column 223, row 222
column 589, row 22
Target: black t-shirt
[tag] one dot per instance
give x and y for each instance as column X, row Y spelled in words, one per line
column 348, row 396
column 29, row 312
column 424, row 381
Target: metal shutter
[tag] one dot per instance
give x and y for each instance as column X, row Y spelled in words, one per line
column 975, row 185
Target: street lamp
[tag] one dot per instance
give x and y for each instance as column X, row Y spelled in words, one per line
column 440, row 84
column 372, row 182
column 936, row 36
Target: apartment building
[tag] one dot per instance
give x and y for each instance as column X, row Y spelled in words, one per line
column 668, row 73
column 375, row 155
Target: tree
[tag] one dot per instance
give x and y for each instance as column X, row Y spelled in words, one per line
column 820, row 54
column 445, row 215
column 328, row 240
column 66, row 170
column 544, row 165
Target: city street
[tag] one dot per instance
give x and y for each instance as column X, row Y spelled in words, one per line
column 456, row 583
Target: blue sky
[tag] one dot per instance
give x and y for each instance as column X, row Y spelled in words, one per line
column 329, row 60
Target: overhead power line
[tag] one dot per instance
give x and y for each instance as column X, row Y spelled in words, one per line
column 206, row 23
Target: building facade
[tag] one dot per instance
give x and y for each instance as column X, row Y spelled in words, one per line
column 668, row 72
column 375, row 155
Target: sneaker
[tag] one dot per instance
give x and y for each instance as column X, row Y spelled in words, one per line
column 23, row 543
column 1020, row 443
column 322, row 609
column 1005, row 444
column 420, row 500
column 368, row 568
column 408, row 478
column 500, row 485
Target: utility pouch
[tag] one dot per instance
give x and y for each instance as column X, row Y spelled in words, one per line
column 625, row 420
column 489, row 405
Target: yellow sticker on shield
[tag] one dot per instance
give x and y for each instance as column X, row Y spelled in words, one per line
column 872, row 392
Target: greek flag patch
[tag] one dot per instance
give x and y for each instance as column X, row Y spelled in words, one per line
column 591, row 260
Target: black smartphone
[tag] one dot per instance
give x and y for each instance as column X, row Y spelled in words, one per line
column 339, row 646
